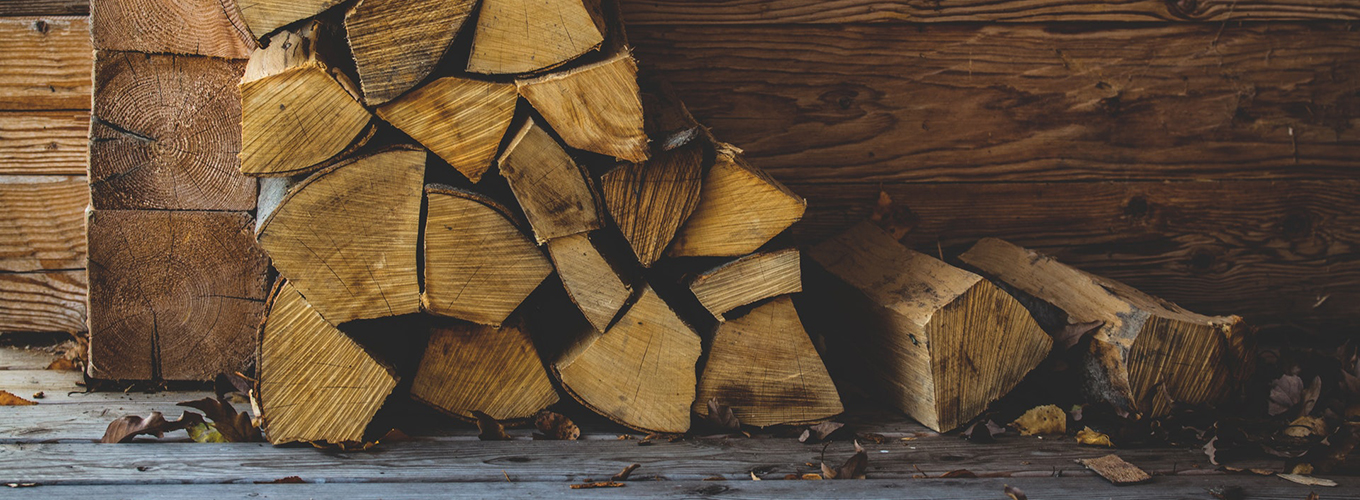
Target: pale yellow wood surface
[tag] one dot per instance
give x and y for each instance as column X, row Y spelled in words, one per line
column 493, row 370
column 740, row 208
column 589, row 278
column 747, row 280
column 522, row 36
column 461, row 120
column 650, row 200
column 596, row 107
column 266, row 16
column 553, row 191
column 44, row 142
column 42, row 222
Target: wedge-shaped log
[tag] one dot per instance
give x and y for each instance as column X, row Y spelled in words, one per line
column 397, row 43
column 297, row 110
column 346, row 237
column 596, row 107
column 650, row 200
column 186, row 27
column 590, row 278
column 316, row 383
column 267, row 16
column 461, row 120
column 1146, row 350
column 747, row 280
column 640, row 373
column 941, row 342
column 479, row 266
column 740, row 208
column 524, row 36
column 551, row 188
column 493, row 370
column 763, row 365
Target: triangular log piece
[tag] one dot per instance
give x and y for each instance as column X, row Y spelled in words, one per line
column 763, row 365
column 297, row 111
column 174, row 295
column 552, row 189
column 590, row 279
column 524, row 36
column 650, row 200
column 740, row 208
column 941, row 342
column 749, row 279
column 267, row 16
column 461, row 120
column 187, row 27
column 1146, row 350
column 493, row 370
column 397, row 43
column 316, row 384
column 640, row 373
column 594, row 107
column 478, row 265
column 348, row 243
column 164, row 135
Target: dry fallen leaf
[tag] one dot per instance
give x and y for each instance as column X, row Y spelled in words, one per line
column 983, row 431
column 1307, row 480
column 9, row 399
column 1015, row 493
column 895, row 219
column 491, row 430
column 965, row 473
column 556, row 426
column 62, row 364
column 1092, row 438
column 124, row 429
column 721, row 416
column 820, row 432
column 1048, row 419
column 627, row 471
column 1211, row 451
column 1072, row 334
column 853, row 468
column 1288, row 394
column 1302, row 469
column 235, row 427
column 1306, row 426
column 284, row 480
column 598, row 484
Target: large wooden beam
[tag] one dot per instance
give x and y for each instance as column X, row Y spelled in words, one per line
column 43, row 301
column 43, row 223
column 192, row 27
column 46, row 63
column 44, row 142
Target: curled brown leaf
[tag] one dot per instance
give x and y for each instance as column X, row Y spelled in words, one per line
column 491, row 430
column 556, row 426
column 124, row 429
column 820, row 432
column 627, row 471
column 235, row 427
column 721, row 416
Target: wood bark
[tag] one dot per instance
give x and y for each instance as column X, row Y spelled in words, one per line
column 649, row 201
column 591, row 278
column 47, row 63
column 554, row 192
column 516, row 36
column 461, row 120
column 494, row 370
column 941, row 342
column 397, row 43
column 1147, row 354
column 596, row 107
column 190, row 27
column 747, row 280
column 264, row 17
column 740, row 208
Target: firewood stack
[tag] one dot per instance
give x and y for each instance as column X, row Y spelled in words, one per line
column 447, row 157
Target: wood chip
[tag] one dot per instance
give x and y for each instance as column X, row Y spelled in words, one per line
column 1307, row 480
column 1116, row 470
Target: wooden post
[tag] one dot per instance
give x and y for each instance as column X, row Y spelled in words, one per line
column 189, row 27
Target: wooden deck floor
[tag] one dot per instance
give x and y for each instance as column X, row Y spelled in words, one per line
column 50, row 448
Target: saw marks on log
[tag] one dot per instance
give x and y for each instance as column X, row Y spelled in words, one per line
column 267, row 16
column 596, row 107
column 748, row 279
column 590, row 278
column 650, row 200
column 397, row 43
column 459, row 119
column 493, row 370
column 523, row 36
column 195, row 27
column 740, row 208
column 551, row 188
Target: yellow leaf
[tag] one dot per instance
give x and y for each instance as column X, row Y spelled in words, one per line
column 205, row 433
column 1306, row 426
column 1093, row 438
column 1047, row 419
column 9, row 399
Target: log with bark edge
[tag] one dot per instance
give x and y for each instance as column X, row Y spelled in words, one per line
column 763, row 365
column 590, row 277
column 554, row 192
column 397, row 43
column 479, row 265
column 348, row 243
column 1147, row 353
column 941, row 343
column 516, row 36
column 641, row 372
column 297, row 109
column 461, row 120
column 497, row 371
column 186, row 27
column 316, row 383
column 267, row 16
column 650, row 200
column 596, row 107
column 748, row 279
column 740, row 208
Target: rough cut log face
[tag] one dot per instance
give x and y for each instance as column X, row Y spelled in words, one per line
column 740, row 208
column 163, row 134
column 267, row 16
column 493, row 370
column 747, row 280
column 551, row 188
column 316, row 384
column 1144, row 345
column 174, row 295
column 596, row 107
column 478, row 265
column 524, row 36
column 640, row 373
column 764, row 366
column 461, row 120
column 190, row 27
column 348, row 243
column 650, row 200
column 590, row 278
column 397, row 43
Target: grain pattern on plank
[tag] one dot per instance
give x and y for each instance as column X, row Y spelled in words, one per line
column 190, row 27
column 85, row 422
column 43, row 222
column 642, row 12
column 44, row 142
column 45, row 63
column 43, row 301
column 45, row 8
column 968, row 102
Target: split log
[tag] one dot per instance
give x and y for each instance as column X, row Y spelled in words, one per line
column 469, row 367
column 650, row 200
column 941, row 342
column 639, row 373
column 596, row 107
column 763, row 365
column 267, row 16
column 553, row 191
column 747, row 280
column 479, row 266
column 163, row 134
column 187, row 27
column 174, row 295
column 316, row 383
column 461, row 120
column 397, row 43
column 591, row 279
column 1148, row 353
column 524, row 36
column 297, row 109
column 348, row 243
column 740, row 208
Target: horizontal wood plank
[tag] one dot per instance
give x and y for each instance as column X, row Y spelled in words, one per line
column 640, row 12
column 43, row 301
column 45, row 8
column 43, row 222
column 968, row 103
column 25, row 358
column 45, row 63
column 44, row 142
